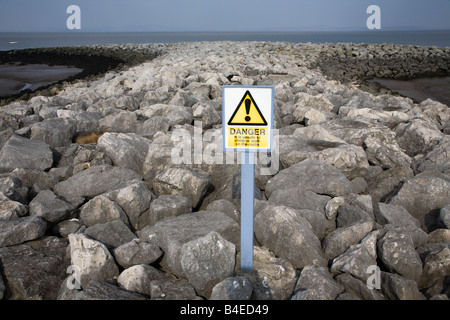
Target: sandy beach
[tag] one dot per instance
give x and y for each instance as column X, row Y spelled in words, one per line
column 14, row 78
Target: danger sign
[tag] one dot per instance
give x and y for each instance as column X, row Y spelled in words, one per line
column 247, row 118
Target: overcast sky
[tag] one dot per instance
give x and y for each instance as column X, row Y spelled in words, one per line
column 221, row 15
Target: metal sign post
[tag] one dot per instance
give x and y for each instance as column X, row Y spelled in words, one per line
column 247, row 115
column 247, row 208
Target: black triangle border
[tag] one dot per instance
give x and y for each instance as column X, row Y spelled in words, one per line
column 257, row 108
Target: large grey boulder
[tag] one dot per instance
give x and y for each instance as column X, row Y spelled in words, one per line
column 138, row 278
column 287, row 234
column 395, row 215
column 134, row 199
column 396, row 287
column 436, row 268
column 272, row 277
column 136, row 252
column 127, row 150
column 11, row 210
column 189, row 182
column 208, row 260
column 56, row 132
column 358, row 258
column 50, row 207
column 123, row 121
column 338, row 241
column 172, row 233
column 175, row 113
column 358, row 288
column 34, row 270
column 421, row 195
column 166, row 206
column 97, row 290
column 101, row 209
column 91, row 259
column 94, row 181
column 232, row 288
column 397, row 252
column 319, row 280
column 20, row 230
column 20, row 152
column 112, row 234
column 315, row 175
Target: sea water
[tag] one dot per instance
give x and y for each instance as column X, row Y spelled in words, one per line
column 10, row 41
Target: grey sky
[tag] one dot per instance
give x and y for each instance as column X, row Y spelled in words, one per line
column 221, row 15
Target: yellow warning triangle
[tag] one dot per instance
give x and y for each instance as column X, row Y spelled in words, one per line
column 247, row 113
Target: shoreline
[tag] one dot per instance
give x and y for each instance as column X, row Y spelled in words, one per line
column 32, row 77
column 348, row 63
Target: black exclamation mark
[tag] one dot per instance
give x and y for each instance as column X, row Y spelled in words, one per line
column 248, row 103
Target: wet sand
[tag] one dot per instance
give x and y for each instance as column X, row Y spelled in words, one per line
column 420, row 89
column 15, row 77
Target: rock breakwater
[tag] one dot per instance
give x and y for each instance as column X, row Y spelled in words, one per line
column 358, row 208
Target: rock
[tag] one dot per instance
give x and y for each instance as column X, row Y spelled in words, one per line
column 444, row 216
column 397, row 252
column 14, row 189
column 35, row 270
column 166, row 206
column 416, row 135
column 127, row 150
column 102, row 210
column 320, row 281
column 435, row 269
column 20, row 152
column 172, row 233
column 349, row 214
column 357, row 259
column 300, row 199
column 154, row 125
column 396, row 287
column 172, row 289
column 232, row 288
column 423, row 194
column 136, row 252
column 315, row 175
column 206, row 114
column 395, row 215
column 439, row 235
column 138, row 278
column 436, row 156
column 50, row 207
column 282, row 229
column 332, row 207
column 21, row 230
column 358, row 288
column 206, row 261
column 112, row 234
column 175, row 113
column 338, row 241
column 188, row 182
column 11, row 210
column 97, row 290
column 56, row 132
column 384, row 184
column 66, row 227
column 122, row 122
column 94, row 181
column 134, row 199
column 271, row 277
column 92, row 258
column 226, row 207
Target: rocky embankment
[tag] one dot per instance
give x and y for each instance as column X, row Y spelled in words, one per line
column 95, row 205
